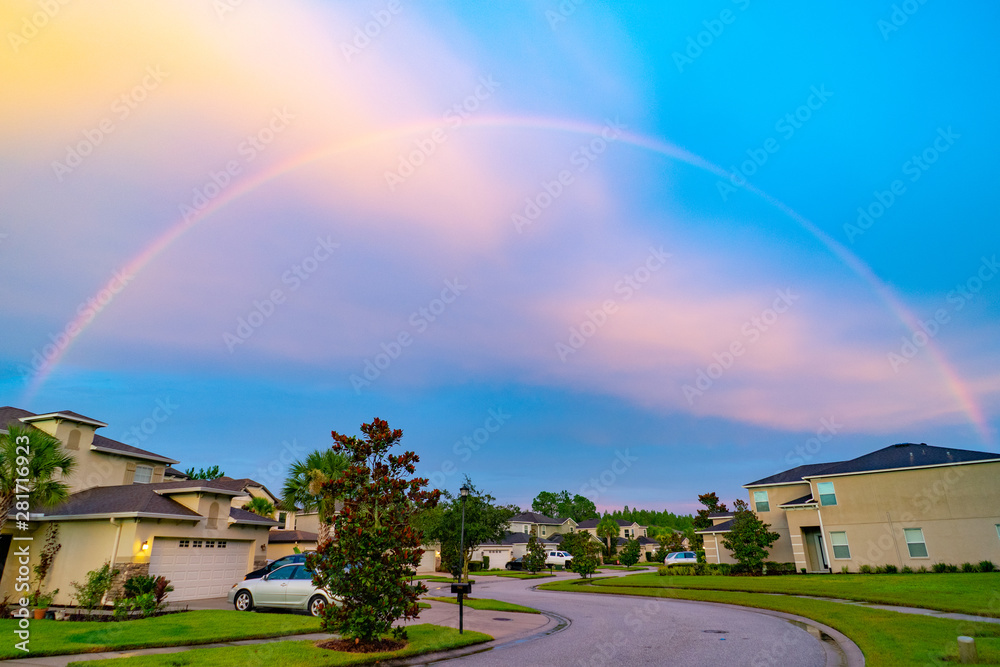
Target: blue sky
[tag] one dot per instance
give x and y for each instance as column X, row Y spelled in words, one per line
column 531, row 216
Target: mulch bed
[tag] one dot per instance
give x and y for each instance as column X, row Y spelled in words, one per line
column 348, row 646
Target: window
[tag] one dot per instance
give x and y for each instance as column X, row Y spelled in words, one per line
column 196, row 544
column 915, row 542
column 543, row 530
column 185, row 543
column 282, row 516
column 213, row 516
column 143, row 474
column 74, row 439
column 221, row 544
column 626, row 533
column 526, row 529
column 998, row 530
column 760, row 501
column 840, row 546
column 827, row 496
column 209, row 544
column 282, row 573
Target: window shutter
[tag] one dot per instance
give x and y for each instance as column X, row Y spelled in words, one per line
column 158, row 474
column 129, row 472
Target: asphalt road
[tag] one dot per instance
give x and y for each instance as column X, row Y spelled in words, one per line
column 621, row 630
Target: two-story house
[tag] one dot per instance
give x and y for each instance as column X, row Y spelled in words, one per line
column 905, row 505
column 126, row 509
column 627, row 530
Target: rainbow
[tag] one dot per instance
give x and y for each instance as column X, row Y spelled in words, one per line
column 237, row 190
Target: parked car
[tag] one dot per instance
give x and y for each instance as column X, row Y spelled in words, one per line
column 563, row 558
column 681, row 558
column 287, row 587
column 292, row 559
column 516, row 564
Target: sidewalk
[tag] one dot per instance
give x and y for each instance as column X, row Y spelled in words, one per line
column 502, row 626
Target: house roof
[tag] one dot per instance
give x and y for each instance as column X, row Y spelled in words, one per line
column 718, row 515
column 290, row 536
column 126, row 500
column 804, row 500
column 194, row 486
column 723, row 527
column 9, row 414
column 902, row 456
column 536, row 517
column 174, row 472
column 241, row 484
column 592, row 523
column 792, row 475
column 245, row 517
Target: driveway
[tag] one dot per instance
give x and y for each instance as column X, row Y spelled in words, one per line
column 622, row 630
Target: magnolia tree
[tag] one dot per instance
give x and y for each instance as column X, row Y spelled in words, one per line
column 749, row 538
column 370, row 562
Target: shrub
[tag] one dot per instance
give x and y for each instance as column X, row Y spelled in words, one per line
column 907, row 569
column 138, row 584
column 922, row 569
column 145, row 603
column 803, row 570
column 865, row 569
column 880, row 569
column 890, row 569
column 845, row 570
column 701, row 555
column 663, row 571
column 649, row 556
column 475, row 565
column 99, row 582
column 969, row 567
column 952, row 568
column 683, row 570
column 486, row 562
column 939, row 567
column 987, row 566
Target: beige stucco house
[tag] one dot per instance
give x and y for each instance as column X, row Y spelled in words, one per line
column 627, row 530
column 905, row 505
column 126, row 509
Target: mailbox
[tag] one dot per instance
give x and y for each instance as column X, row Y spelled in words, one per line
column 464, row 588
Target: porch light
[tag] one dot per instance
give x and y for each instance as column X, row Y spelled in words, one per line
column 145, row 545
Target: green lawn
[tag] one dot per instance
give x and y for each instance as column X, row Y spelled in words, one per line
column 972, row 593
column 632, row 568
column 191, row 627
column 517, row 574
column 488, row 605
column 885, row 637
column 424, row 638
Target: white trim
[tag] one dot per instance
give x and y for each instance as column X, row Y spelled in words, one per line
column 134, row 455
column 798, row 481
column 116, row 515
column 62, row 415
column 822, row 539
column 200, row 488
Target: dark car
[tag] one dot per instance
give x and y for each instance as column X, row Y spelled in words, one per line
column 293, row 559
column 516, row 564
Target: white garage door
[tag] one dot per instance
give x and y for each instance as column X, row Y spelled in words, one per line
column 199, row 568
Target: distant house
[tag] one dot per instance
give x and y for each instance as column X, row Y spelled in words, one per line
column 540, row 524
column 905, row 505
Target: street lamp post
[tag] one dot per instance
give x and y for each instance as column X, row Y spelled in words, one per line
column 461, row 554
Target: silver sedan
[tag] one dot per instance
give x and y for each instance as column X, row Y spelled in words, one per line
column 288, row 587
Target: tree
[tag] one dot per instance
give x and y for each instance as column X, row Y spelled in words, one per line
column 376, row 550
column 608, row 531
column 701, row 520
column 260, row 506
column 205, row 473
column 304, row 486
column 579, row 508
column 749, row 538
column 30, row 460
column 534, row 558
column 576, row 544
column 585, row 561
column 484, row 522
column 630, row 553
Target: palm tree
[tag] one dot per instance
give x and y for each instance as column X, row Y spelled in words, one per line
column 304, row 486
column 607, row 530
column 260, row 506
column 29, row 460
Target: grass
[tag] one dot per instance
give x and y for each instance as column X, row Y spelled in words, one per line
column 487, row 604
column 972, row 593
column 433, row 578
column 631, row 568
column 424, row 638
column 885, row 637
column 191, row 627
column 516, row 574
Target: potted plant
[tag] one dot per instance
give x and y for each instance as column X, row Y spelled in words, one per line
column 42, row 602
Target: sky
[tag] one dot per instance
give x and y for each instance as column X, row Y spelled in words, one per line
column 638, row 253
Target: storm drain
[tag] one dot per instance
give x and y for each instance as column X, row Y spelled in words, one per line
column 497, row 618
column 717, row 632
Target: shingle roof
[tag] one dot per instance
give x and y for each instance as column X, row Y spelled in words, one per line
column 793, row 475
column 245, row 517
column 592, row 523
column 174, row 472
column 804, row 500
column 721, row 528
column 10, row 414
column 289, row 536
column 905, row 455
column 536, row 517
column 125, row 499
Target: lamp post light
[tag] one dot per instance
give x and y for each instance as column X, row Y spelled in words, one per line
column 461, row 554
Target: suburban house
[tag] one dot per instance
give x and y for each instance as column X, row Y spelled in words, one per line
column 626, row 530
column 126, row 509
column 540, row 525
column 521, row 527
column 905, row 505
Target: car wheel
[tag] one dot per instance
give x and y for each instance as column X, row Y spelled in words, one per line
column 316, row 605
column 244, row 601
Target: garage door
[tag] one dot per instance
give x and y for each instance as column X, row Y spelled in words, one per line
column 199, row 568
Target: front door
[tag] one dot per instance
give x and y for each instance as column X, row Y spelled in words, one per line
column 820, row 550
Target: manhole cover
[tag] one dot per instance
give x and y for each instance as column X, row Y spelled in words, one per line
column 497, row 618
column 717, row 632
